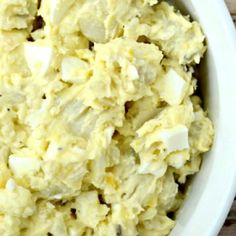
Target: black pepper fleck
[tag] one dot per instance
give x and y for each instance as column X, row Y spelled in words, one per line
column 101, row 199
column 39, row 4
column 73, row 213
column 38, row 23
column 44, row 96
column 91, row 45
column 119, row 230
column 30, row 39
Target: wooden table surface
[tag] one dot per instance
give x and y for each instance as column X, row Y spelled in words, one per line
column 229, row 228
column 232, row 6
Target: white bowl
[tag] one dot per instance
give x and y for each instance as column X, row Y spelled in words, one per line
column 213, row 188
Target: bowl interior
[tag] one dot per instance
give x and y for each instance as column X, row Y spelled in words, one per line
column 213, row 188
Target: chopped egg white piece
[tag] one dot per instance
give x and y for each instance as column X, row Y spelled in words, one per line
column 178, row 159
column 175, row 138
column 72, row 232
column 155, row 168
column 109, row 132
column 52, row 151
column 74, row 70
column 23, row 165
column 56, row 197
column 38, row 57
column 133, row 72
column 37, row 116
column 152, row 2
column 10, row 185
column 58, row 9
column 172, row 88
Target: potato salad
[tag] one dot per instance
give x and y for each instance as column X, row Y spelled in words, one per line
column 100, row 124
